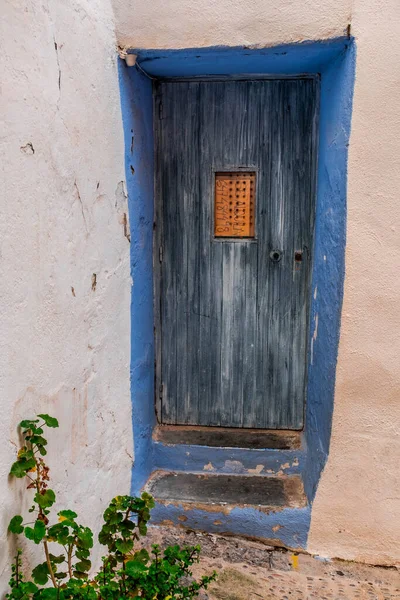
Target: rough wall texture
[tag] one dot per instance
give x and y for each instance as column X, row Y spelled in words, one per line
column 356, row 513
column 65, row 333
column 188, row 24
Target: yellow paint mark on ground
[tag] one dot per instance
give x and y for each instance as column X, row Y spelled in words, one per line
column 295, row 561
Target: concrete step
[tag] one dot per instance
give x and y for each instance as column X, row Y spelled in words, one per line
column 228, row 451
column 270, row 508
column 234, row 490
column 224, row 437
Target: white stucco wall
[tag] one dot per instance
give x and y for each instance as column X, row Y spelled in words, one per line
column 64, row 346
column 356, row 513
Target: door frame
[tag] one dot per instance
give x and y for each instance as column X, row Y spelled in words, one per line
column 335, row 61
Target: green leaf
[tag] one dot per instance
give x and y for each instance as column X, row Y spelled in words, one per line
column 60, row 575
column 85, row 537
column 50, row 421
column 49, row 594
column 57, row 559
column 40, row 574
column 142, row 528
column 24, row 452
column 124, row 546
column 148, row 499
column 83, row 565
column 104, row 537
column 82, row 553
column 141, row 556
column 80, row 574
column 28, row 423
column 67, row 514
column 46, row 499
column 111, row 515
column 37, row 533
column 135, row 568
column 58, row 532
column 39, row 440
column 30, row 587
column 15, row 525
column 21, row 467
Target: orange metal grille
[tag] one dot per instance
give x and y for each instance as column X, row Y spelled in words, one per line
column 235, row 204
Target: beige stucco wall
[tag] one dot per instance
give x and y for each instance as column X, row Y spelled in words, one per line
column 63, row 351
column 356, row 512
column 188, row 24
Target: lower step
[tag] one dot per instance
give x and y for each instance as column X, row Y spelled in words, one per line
column 275, row 493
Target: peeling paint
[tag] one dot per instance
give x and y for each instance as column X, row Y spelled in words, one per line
column 313, row 339
column 257, row 470
column 208, row 467
column 234, row 466
column 28, row 148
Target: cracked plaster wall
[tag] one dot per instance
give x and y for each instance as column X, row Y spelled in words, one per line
column 64, row 264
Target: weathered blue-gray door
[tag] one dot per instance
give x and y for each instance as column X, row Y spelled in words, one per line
column 235, row 190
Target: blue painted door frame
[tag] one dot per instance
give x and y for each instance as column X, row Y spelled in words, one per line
column 334, row 60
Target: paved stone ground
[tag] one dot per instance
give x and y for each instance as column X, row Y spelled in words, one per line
column 253, row 571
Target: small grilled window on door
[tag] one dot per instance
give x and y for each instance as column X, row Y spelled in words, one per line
column 234, row 204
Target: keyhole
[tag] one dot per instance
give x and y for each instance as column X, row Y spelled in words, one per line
column 275, row 255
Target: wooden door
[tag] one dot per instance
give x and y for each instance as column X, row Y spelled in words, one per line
column 232, row 322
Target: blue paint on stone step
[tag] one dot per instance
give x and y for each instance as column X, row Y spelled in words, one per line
column 193, row 458
column 288, row 527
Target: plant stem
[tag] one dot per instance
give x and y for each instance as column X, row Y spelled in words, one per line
column 123, row 575
column 48, row 561
column 16, row 569
column 69, row 559
column 42, row 518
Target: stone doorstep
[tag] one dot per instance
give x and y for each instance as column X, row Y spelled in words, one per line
column 220, row 489
column 222, row 437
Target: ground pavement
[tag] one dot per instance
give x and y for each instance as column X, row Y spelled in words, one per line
column 251, row 570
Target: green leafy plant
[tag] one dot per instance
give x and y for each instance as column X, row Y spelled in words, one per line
column 127, row 572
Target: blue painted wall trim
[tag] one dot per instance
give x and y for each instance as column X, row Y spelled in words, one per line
column 137, row 114
column 337, row 84
column 335, row 61
column 288, row 59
